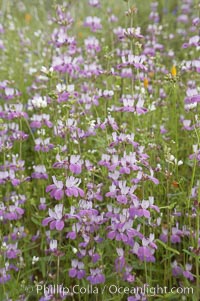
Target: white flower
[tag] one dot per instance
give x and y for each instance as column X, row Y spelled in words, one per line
column 35, row 259
column 9, row 91
column 74, row 250
column 60, row 87
column 53, row 244
column 70, row 88
column 195, row 148
column 39, row 101
column 180, row 162
column 44, row 69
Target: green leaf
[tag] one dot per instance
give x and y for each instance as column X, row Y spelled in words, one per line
column 171, row 206
column 35, row 221
column 167, row 247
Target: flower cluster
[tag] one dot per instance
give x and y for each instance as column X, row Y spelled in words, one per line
column 99, row 145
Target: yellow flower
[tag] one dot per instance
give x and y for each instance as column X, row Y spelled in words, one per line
column 173, row 71
column 28, row 18
column 146, row 82
column 80, row 35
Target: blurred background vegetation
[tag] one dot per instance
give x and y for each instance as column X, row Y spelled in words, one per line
column 30, row 21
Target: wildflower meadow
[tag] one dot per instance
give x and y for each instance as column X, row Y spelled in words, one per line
column 99, row 150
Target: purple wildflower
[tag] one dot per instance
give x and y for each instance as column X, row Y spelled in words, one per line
column 4, row 276
column 120, row 261
column 96, row 276
column 56, row 190
column 55, row 218
column 146, row 251
column 187, row 273
column 12, row 251
column 93, row 22
column 134, row 60
column 176, row 270
column 40, row 172
column 72, row 188
column 75, row 165
column 77, row 269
